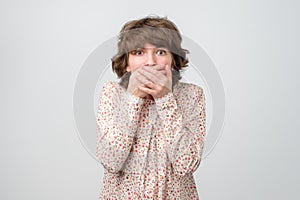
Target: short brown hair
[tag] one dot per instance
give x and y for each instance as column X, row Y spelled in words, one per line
column 158, row 31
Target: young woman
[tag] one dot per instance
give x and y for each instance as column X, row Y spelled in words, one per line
column 150, row 126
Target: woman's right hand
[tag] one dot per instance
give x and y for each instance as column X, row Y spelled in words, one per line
column 133, row 85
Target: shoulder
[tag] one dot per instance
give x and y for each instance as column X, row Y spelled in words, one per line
column 111, row 89
column 189, row 95
column 109, row 84
column 188, row 89
column 112, row 86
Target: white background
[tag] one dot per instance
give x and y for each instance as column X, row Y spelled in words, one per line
column 254, row 45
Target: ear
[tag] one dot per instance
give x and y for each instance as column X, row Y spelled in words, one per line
column 128, row 69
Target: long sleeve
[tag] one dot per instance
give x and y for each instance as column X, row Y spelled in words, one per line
column 184, row 128
column 117, row 122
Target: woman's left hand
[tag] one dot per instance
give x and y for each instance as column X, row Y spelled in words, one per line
column 156, row 83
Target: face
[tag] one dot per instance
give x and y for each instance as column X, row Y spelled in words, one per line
column 148, row 55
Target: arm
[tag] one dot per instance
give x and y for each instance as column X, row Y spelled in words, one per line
column 117, row 122
column 184, row 130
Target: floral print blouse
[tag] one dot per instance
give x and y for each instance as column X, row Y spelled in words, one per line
column 149, row 148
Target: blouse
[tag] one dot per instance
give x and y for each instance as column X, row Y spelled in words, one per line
column 150, row 148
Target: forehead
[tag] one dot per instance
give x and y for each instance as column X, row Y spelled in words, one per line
column 145, row 45
column 150, row 46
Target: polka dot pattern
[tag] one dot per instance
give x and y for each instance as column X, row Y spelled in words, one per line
column 150, row 148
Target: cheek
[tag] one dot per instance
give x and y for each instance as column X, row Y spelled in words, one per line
column 135, row 62
column 165, row 61
column 135, row 67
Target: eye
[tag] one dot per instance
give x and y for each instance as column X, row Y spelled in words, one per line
column 137, row 52
column 161, row 52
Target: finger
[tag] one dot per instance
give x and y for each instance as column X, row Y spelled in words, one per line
column 143, row 80
column 158, row 67
column 162, row 71
column 155, row 68
column 146, row 90
column 151, row 75
column 154, row 72
column 169, row 72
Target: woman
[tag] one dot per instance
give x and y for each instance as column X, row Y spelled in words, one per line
column 151, row 127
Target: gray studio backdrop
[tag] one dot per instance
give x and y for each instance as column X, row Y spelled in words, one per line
column 254, row 46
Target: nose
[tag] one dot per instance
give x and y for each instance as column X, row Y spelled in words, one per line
column 150, row 60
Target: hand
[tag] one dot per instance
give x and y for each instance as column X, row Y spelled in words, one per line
column 135, row 81
column 133, row 85
column 155, row 84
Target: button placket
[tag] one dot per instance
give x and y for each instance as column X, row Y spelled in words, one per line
column 152, row 114
column 152, row 119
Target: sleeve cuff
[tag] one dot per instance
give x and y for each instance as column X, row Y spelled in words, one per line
column 166, row 102
column 133, row 100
